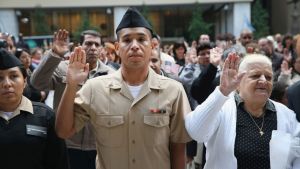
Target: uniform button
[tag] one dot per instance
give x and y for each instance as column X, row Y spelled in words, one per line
column 133, row 122
column 133, row 141
column 133, row 160
column 109, row 123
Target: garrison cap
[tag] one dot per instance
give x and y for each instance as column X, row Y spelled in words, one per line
column 8, row 60
column 133, row 18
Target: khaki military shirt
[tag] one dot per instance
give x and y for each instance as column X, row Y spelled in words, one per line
column 25, row 105
column 51, row 74
column 133, row 133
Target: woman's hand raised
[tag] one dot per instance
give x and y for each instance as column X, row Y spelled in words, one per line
column 230, row 78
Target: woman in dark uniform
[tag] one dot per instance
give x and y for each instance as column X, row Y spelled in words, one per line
column 27, row 136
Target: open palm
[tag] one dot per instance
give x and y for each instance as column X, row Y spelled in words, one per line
column 230, row 78
column 60, row 42
column 78, row 69
column 215, row 56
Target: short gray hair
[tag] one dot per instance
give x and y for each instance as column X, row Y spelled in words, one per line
column 253, row 58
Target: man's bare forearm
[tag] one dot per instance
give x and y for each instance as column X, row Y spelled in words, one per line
column 178, row 159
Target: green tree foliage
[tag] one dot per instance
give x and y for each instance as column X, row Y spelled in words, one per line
column 85, row 25
column 259, row 19
column 197, row 24
column 40, row 25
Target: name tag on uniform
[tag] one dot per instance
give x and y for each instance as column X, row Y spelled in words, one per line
column 36, row 130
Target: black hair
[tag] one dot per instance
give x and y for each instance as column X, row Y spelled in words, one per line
column 203, row 46
column 178, row 45
column 287, row 36
column 19, row 51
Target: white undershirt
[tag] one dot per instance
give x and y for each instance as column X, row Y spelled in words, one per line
column 6, row 115
column 135, row 90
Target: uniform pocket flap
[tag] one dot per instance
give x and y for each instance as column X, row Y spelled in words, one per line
column 110, row 121
column 156, row 121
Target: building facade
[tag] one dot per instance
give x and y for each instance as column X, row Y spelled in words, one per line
column 169, row 18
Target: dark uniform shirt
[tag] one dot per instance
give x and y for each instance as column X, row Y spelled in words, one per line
column 28, row 139
column 252, row 149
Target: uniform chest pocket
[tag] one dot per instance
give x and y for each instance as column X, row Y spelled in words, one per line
column 110, row 130
column 157, row 130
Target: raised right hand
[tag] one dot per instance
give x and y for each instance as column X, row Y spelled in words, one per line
column 78, row 69
column 192, row 56
column 60, row 42
column 286, row 55
column 230, row 78
column 215, row 56
column 285, row 68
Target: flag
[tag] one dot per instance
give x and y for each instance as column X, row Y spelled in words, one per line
column 247, row 24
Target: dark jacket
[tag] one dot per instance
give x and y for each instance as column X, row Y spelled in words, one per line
column 29, row 141
column 293, row 95
column 33, row 94
column 276, row 59
column 201, row 88
column 205, row 83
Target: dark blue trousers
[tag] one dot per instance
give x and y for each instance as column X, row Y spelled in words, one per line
column 80, row 159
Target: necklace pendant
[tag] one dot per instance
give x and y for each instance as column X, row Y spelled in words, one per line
column 261, row 133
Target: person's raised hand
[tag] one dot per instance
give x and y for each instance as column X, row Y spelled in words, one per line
column 78, row 69
column 60, row 44
column 285, row 68
column 215, row 56
column 230, row 78
column 191, row 56
column 287, row 55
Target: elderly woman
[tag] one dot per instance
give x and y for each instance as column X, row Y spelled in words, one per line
column 27, row 136
column 241, row 127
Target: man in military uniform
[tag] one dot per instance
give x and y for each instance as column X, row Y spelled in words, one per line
column 51, row 75
column 136, row 114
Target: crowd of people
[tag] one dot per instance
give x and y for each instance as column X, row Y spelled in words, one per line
column 135, row 102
